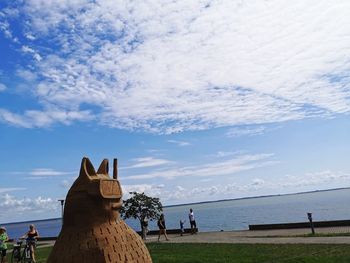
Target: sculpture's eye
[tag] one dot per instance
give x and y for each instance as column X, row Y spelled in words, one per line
column 108, row 188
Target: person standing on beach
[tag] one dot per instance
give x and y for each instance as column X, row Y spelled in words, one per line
column 182, row 229
column 3, row 246
column 162, row 227
column 192, row 222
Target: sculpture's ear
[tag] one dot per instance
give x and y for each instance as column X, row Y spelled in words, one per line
column 86, row 169
column 115, row 169
column 103, row 169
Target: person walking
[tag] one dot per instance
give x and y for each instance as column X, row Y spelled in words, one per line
column 144, row 228
column 3, row 246
column 192, row 222
column 162, row 227
column 182, row 228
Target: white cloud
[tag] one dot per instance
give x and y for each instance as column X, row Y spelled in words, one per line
column 147, row 162
column 170, row 194
column 205, row 180
column 35, row 54
column 40, row 173
column 45, row 172
column 325, row 178
column 245, row 131
column 180, row 188
column 253, row 187
column 2, row 87
column 225, row 154
column 27, row 75
column 258, row 182
column 181, row 194
column 221, row 168
column 5, row 27
column 39, row 119
column 7, row 190
column 27, row 49
column 174, row 66
column 7, row 15
column 30, row 36
column 11, row 204
column 179, row 143
column 149, row 189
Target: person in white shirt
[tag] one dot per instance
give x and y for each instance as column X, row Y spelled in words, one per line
column 192, row 222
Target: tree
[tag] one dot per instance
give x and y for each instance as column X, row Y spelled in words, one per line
column 142, row 207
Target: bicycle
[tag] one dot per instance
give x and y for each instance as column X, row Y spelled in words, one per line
column 27, row 254
column 16, row 252
column 22, row 255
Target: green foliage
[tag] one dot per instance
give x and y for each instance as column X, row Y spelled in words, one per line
column 140, row 206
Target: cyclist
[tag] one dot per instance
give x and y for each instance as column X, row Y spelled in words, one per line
column 3, row 247
column 31, row 237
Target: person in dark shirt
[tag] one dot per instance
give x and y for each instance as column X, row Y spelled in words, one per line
column 162, row 227
column 31, row 237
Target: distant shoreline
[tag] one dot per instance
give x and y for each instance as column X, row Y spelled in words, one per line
column 31, row 221
column 259, row 196
column 203, row 202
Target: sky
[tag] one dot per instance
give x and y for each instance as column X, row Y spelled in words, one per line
column 199, row 100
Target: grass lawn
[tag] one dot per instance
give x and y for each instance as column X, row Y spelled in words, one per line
column 259, row 253
column 326, row 235
column 42, row 254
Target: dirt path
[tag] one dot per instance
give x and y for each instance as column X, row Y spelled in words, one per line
column 284, row 236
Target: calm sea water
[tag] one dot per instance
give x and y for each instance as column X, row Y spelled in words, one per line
column 234, row 214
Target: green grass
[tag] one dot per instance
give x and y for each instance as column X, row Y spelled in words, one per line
column 326, row 235
column 9, row 246
column 308, row 235
column 248, row 253
column 42, row 254
column 305, row 235
column 240, row 253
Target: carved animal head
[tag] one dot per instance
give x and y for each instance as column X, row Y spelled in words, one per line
column 94, row 196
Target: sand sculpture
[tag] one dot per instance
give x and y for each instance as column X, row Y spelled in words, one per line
column 92, row 230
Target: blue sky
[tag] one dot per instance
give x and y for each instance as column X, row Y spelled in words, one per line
column 198, row 100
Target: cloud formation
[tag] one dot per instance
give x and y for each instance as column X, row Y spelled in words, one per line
column 2, row 87
column 29, row 50
column 185, row 65
column 145, row 162
column 47, row 172
column 221, row 168
column 39, row 119
column 10, row 189
column 179, row 143
column 245, row 131
column 155, row 190
column 253, row 187
column 314, row 178
column 10, row 205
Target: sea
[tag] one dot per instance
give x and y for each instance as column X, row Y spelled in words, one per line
column 228, row 215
